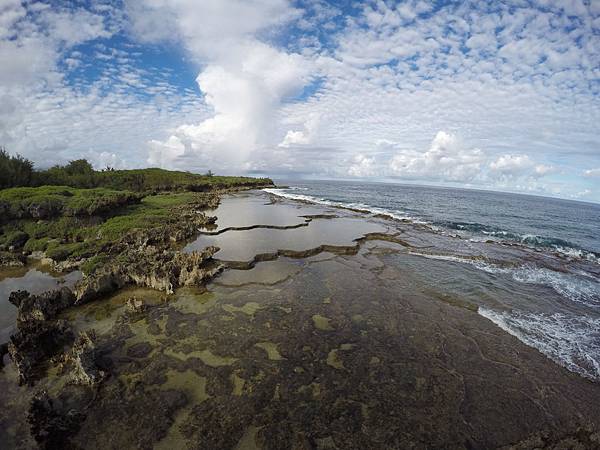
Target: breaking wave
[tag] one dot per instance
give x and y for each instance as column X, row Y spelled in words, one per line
column 362, row 207
column 572, row 341
column 580, row 289
column 561, row 246
column 475, row 230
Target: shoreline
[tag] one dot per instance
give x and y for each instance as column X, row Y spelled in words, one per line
column 233, row 361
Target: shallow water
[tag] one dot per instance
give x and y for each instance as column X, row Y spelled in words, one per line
column 547, row 299
column 245, row 210
column 33, row 279
column 568, row 227
column 382, row 347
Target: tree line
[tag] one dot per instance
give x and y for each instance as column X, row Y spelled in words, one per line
column 17, row 171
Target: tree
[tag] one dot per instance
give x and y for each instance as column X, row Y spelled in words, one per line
column 209, row 173
column 14, row 170
column 79, row 167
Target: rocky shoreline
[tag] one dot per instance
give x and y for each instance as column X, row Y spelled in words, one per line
column 327, row 340
column 149, row 258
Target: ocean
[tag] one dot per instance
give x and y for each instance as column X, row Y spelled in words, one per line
column 531, row 264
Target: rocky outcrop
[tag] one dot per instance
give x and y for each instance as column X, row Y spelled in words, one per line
column 150, row 266
column 8, row 259
column 3, row 351
column 40, row 307
column 135, row 305
column 83, row 360
column 34, row 343
column 39, row 336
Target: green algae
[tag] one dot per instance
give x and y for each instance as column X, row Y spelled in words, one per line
column 322, row 323
column 334, row 360
column 193, row 300
column 238, row 384
column 206, row 356
column 189, row 382
column 248, row 440
column 271, row 349
column 249, row 308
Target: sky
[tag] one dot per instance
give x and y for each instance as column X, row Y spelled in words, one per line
column 477, row 94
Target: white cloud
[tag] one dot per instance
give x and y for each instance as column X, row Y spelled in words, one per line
column 512, row 164
column 446, row 159
column 302, row 137
column 245, row 80
column 363, row 167
column 517, row 81
column 592, row 173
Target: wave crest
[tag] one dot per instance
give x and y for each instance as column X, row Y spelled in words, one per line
column 569, row 340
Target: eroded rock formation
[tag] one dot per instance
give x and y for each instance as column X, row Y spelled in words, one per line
column 152, row 267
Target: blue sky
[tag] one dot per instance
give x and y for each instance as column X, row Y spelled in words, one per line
column 488, row 95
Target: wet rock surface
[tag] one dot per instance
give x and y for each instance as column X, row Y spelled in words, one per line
column 346, row 350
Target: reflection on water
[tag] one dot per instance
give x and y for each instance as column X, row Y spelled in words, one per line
column 244, row 210
column 244, row 245
column 33, row 280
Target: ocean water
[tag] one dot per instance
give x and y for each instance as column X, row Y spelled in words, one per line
column 561, row 225
column 531, row 264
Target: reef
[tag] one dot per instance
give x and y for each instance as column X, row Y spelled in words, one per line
column 332, row 342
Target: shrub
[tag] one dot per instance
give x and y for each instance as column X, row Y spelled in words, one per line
column 15, row 239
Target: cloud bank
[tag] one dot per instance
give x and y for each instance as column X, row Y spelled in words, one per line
column 483, row 94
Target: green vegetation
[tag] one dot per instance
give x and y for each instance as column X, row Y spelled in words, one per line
column 96, row 218
column 52, row 201
column 16, row 171
column 74, row 211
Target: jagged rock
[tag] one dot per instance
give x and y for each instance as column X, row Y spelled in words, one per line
column 153, row 267
column 8, row 259
column 36, row 342
column 41, row 307
column 83, row 357
column 135, row 305
column 3, row 351
column 51, row 423
column 38, row 336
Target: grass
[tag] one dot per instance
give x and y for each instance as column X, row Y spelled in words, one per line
column 52, row 201
column 75, row 236
column 76, row 213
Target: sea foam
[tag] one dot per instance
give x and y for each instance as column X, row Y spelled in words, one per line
column 572, row 341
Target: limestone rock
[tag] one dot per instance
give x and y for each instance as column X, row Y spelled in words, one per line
column 83, row 358
column 135, row 305
column 34, row 343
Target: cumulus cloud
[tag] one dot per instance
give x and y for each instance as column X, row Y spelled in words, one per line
column 245, row 80
column 363, row 167
column 519, row 165
column 449, row 159
column 446, row 159
column 306, row 88
column 302, row 137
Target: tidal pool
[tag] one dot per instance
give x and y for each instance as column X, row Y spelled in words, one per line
column 32, row 279
column 245, row 245
column 382, row 347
